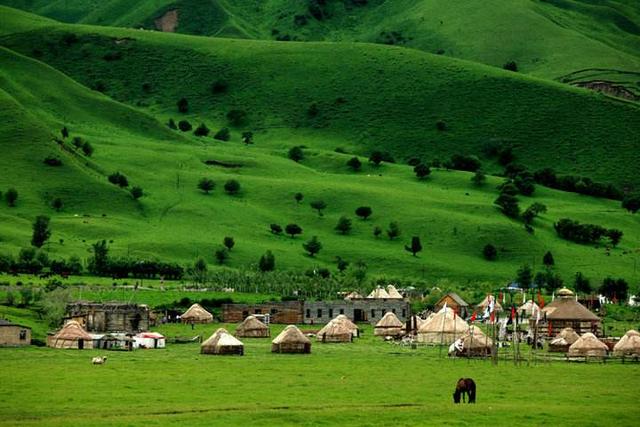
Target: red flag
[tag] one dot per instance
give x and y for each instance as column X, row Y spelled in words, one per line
column 473, row 317
column 513, row 313
column 550, row 329
column 492, row 318
column 540, row 299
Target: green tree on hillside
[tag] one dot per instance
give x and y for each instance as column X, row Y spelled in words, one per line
column 508, row 205
column 118, row 179
column 184, row 126
column 548, row 260
column 65, row 132
column 415, row 246
column 614, row 236
column 275, row 228
column 341, row 264
column 12, row 197
column 206, row 185
column 478, row 178
column 199, row 271
column 237, row 117
column 313, row 246
column 232, row 187
column 510, row 66
column 221, row 255
column 229, row 243
column 57, row 204
column 183, row 105
column 296, row 154
column 582, row 283
column 136, row 192
column 532, row 212
column 41, row 231
column 393, row 231
column 298, row 197
column 377, row 231
column 223, row 135
column 422, row 171
column 376, row 157
column 524, row 276
column 267, row 262
column 631, row 202
column 354, row 163
column 219, row 86
column 292, row 230
column 87, row 149
column 201, row 130
column 247, row 137
column 99, row 264
column 489, row 252
column 319, row 205
column 344, row 225
column 364, row 212
column 172, row 124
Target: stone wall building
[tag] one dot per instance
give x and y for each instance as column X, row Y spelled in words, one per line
column 358, row 310
column 289, row 312
column 14, row 335
column 109, row 317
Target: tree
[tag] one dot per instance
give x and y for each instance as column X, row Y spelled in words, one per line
column 318, row 205
column 364, row 212
column 41, row 231
column 524, row 276
column 533, row 211
column 12, row 197
column 415, row 247
column 478, row 178
column 341, row 264
column 57, row 204
column 237, row 117
column 223, row 135
column 298, row 197
column 118, row 179
column 232, row 187
column 631, row 202
column 201, row 130
column 172, row 124
column 229, row 243
column 393, row 231
column 54, row 305
column 296, row 154
column 489, row 252
column 292, row 230
column 377, row 231
column 206, row 185
column 199, row 271
column 354, row 163
column 184, row 126
column 508, row 205
column 376, row 157
column 614, row 236
column 219, row 86
column 247, row 137
column 441, row 125
column 136, row 192
column 221, row 255
column 267, row 262
column 313, row 246
column 614, row 289
column 276, row 228
column 510, row 66
column 525, row 183
column 183, row 105
column 65, row 132
column 87, row 149
column 422, row 171
column 548, row 260
column 582, row 283
column 99, row 264
column 344, row 225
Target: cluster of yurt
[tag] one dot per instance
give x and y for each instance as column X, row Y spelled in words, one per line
column 340, row 329
column 444, row 327
column 389, row 326
column 563, row 340
column 196, row 314
column 72, row 335
column 291, row 340
column 629, row 345
column 588, row 345
column 223, row 343
column 251, row 327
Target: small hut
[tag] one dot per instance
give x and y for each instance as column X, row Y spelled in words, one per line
column 486, row 301
column 565, row 312
column 222, row 342
column 378, row 293
column 334, row 331
column 443, row 328
column 629, row 345
column 563, row 340
column 14, row 335
column 455, row 302
column 528, row 309
column 149, row 340
column 291, row 340
column 251, row 327
column 389, row 325
column 196, row 314
column 72, row 335
column 393, row 292
column 355, row 331
column 473, row 344
column 588, row 345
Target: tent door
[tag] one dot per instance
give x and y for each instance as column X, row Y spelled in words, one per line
column 80, row 344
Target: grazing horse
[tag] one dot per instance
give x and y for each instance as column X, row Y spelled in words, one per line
column 465, row 385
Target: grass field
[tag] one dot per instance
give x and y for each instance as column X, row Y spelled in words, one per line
column 369, row 382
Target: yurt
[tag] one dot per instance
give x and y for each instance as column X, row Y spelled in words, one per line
column 334, row 331
column 378, row 293
column 443, row 328
column 251, row 327
column 485, row 303
column 474, row 343
column 563, row 340
column 355, row 331
column 528, row 309
column 223, row 343
column 149, row 340
column 564, row 312
column 196, row 314
column 72, row 335
column 352, row 295
column 393, row 292
column 588, row 345
column 389, row 325
column 629, row 345
column 291, row 340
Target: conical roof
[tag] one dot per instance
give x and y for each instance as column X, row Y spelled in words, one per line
column 567, row 308
column 393, row 292
column 475, row 339
column 378, row 293
column 334, row 331
column 291, row 334
column 197, row 313
column 389, row 320
column 629, row 344
column 444, row 320
column 588, row 345
column 72, row 330
column 346, row 322
column 251, row 323
column 485, row 303
column 529, row 308
column 221, row 338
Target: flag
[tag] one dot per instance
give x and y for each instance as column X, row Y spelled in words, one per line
column 540, row 299
column 513, row 314
column 492, row 317
column 473, row 317
column 550, row 329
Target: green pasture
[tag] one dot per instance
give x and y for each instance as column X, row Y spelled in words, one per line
column 368, row 382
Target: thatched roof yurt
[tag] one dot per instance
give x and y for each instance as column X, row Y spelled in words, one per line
column 251, row 327
column 629, row 344
column 222, row 342
column 528, row 309
column 355, row 331
column 565, row 311
column 485, row 303
column 334, row 331
column 378, row 293
column 475, row 343
column 563, row 340
column 353, row 295
column 291, row 340
column 443, row 328
column 196, row 314
column 389, row 325
column 72, row 335
column 588, row 345
column 393, row 292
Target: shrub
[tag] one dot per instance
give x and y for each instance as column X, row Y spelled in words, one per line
column 313, row 246
column 201, row 130
column 64, row 132
column 465, row 163
column 275, row 228
column 318, row 205
column 146, row 87
column 354, row 163
column 505, row 155
column 293, row 230
column 183, row 105
column 508, row 204
column 631, row 202
column 580, row 233
column 548, row 260
column 57, row 204
column 296, row 154
column 52, row 161
column 510, row 66
column 393, row 231
column 524, row 276
column 118, row 179
column 364, row 212
column 172, row 124
column 478, row 178
column 228, row 243
column 489, row 252
column 41, row 231
column 422, row 171
column 377, row 231
column 344, row 225
column 415, row 246
column 247, row 137
column 219, row 86
column 298, row 197
column 232, row 187
column 614, row 289
column 206, row 185
column 441, row 125
column 267, row 262
column 223, row 135
column 532, row 212
column 376, row 157
column 221, row 255
column 184, row 126
column 136, row 192
column 313, row 110
column 87, row 149
column 237, row 117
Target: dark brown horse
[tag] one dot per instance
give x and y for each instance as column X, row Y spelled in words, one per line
column 465, row 386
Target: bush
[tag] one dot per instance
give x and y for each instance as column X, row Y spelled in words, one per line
column 228, row 243
column 57, row 204
column 276, row 228
column 206, row 185
column 64, row 132
column 296, row 154
column 508, row 204
column 465, row 163
column 580, row 233
column 223, row 135
column 172, row 124
column 136, row 192
column 87, row 149
column 393, row 231
column 415, row 246
column 489, row 252
column 298, row 197
column 441, row 125
column 631, row 202
column 354, row 163
column 422, row 171
column 293, row 230
column 77, row 142
column 377, row 231
column 219, row 86
column 267, row 262
column 319, row 205
column 52, row 161
column 313, row 246
column 118, row 179
column 237, row 117
column 344, row 225
column 376, row 157
column 201, row 130
column 364, row 212
column 41, row 231
column 232, row 187
column 247, row 137
column 478, row 178
column 183, row 105
column 184, row 126
column 510, row 66
column 614, row 289
column 221, row 255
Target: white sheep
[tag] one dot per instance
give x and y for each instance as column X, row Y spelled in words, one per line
column 100, row 360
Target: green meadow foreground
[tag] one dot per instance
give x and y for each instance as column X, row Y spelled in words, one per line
column 368, row 382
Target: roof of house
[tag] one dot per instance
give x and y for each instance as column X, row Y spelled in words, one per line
column 393, row 292
column 346, row 321
column 378, row 293
column 389, row 320
column 334, row 328
column 72, row 330
column 567, row 308
column 586, row 343
column 457, row 298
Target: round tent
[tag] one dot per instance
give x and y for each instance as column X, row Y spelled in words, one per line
column 563, row 340
column 355, row 331
column 485, row 303
column 251, row 327
column 474, row 343
column 196, row 314
column 629, row 345
column 334, row 331
column 222, row 342
column 389, row 325
column 72, row 335
column 291, row 340
column 588, row 345
column 443, row 328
